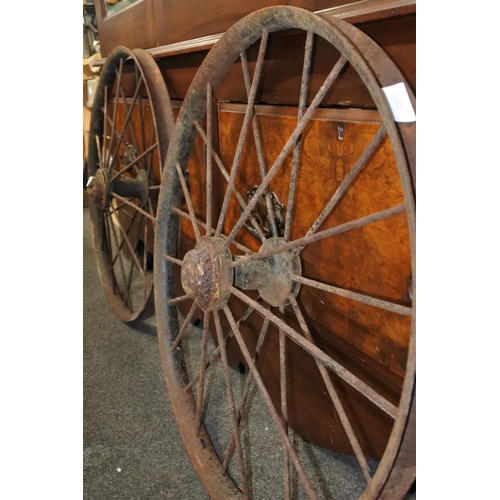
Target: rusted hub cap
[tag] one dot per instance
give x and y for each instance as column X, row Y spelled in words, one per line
column 272, row 276
column 206, row 275
column 279, row 284
column 97, row 188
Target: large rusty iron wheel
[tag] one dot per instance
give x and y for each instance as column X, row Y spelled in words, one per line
column 131, row 125
column 259, row 287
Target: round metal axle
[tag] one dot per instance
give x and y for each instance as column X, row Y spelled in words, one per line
column 271, row 276
column 100, row 188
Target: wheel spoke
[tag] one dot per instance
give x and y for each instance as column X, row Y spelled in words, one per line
column 216, row 351
column 327, row 233
column 119, row 206
column 115, row 132
column 144, row 259
column 334, row 396
column 317, row 353
column 107, row 231
column 284, row 412
column 98, row 143
column 289, row 145
column 246, row 389
column 151, row 212
column 133, row 205
column 349, row 179
column 224, row 172
column 230, row 400
column 129, row 279
column 173, row 260
column 201, row 388
column 189, row 203
column 145, row 246
column 134, row 161
column 203, row 225
column 122, row 268
column 182, row 298
column 115, row 108
column 132, row 250
column 244, row 129
column 150, row 164
column 141, row 119
column 109, row 250
column 105, row 246
column 125, row 125
column 184, row 326
column 105, row 114
column 132, row 219
column 208, row 143
column 258, row 143
column 298, row 144
column 267, row 400
column 130, row 123
column 365, row 299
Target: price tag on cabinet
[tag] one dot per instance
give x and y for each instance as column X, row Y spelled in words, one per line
column 400, row 103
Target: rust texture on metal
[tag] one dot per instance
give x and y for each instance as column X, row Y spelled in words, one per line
column 269, row 213
column 273, row 277
column 210, row 274
column 206, row 275
column 121, row 171
column 98, row 189
column 133, row 188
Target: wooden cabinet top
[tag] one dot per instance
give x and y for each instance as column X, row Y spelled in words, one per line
column 169, row 27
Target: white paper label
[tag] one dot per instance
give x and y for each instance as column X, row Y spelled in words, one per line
column 400, row 103
column 89, row 181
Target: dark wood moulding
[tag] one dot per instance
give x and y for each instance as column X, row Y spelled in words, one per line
column 396, row 36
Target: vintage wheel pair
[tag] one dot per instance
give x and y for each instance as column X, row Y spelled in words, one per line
column 258, row 288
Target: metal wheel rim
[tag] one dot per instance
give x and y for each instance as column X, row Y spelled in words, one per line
column 214, row 68
column 403, row 471
column 163, row 124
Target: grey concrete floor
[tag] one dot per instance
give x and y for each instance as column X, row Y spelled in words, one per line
column 132, row 448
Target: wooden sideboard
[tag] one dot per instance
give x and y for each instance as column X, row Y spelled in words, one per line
column 374, row 345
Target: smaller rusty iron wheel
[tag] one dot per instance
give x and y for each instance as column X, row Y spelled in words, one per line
column 252, row 266
column 131, row 124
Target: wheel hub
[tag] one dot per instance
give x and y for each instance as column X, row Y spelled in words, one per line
column 100, row 188
column 97, row 188
column 272, row 276
column 206, row 275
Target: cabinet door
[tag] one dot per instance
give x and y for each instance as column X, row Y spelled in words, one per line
column 361, row 260
column 373, row 260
